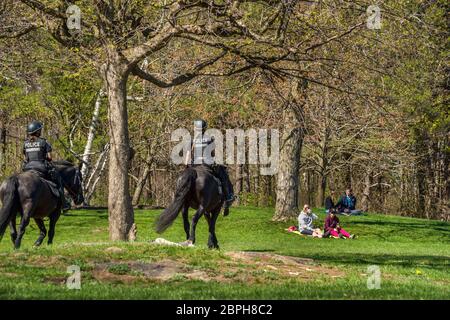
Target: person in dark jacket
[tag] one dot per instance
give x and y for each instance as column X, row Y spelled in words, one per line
column 347, row 204
column 329, row 202
column 332, row 227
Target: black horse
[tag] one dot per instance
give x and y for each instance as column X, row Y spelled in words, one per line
column 198, row 188
column 27, row 194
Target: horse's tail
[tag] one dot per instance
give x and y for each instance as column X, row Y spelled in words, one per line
column 10, row 203
column 169, row 215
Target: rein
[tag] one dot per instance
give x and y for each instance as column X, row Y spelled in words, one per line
column 76, row 180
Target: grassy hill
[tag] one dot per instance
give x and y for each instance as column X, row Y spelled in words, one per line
column 257, row 260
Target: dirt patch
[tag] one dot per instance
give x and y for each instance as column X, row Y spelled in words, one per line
column 55, row 280
column 46, row 261
column 284, row 266
column 114, row 250
column 158, row 271
column 10, row 274
column 244, row 267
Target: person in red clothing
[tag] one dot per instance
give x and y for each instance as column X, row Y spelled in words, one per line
column 333, row 228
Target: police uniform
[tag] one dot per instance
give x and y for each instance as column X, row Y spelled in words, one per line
column 199, row 153
column 201, row 156
column 36, row 151
column 202, row 153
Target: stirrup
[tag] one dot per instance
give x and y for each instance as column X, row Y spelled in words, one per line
column 229, row 202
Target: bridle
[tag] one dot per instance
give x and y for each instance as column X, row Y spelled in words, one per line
column 76, row 180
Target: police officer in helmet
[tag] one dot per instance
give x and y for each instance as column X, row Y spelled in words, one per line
column 199, row 155
column 38, row 157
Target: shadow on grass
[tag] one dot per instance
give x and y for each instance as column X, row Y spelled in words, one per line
column 439, row 226
column 98, row 214
column 437, row 262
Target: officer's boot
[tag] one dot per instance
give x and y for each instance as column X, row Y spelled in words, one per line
column 227, row 190
column 65, row 204
column 56, row 177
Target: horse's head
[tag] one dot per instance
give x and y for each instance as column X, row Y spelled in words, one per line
column 72, row 180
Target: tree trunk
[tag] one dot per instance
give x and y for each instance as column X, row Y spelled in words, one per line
column 323, row 166
column 238, row 179
column 95, row 175
column 366, row 192
column 141, row 184
column 445, row 210
column 91, row 136
column 2, row 150
column 121, row 215
column 322, row 185
column 286, row 205
column 348, row 170
column 421, row 174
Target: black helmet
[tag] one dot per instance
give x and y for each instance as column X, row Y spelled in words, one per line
column 200, row 124
column 34, row 127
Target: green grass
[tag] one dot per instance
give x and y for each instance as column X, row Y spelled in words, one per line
column 412, row 254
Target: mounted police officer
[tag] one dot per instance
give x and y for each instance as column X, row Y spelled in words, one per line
column 202, row 153
column 38, row 157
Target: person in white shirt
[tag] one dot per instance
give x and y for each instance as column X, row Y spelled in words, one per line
column 306, row 223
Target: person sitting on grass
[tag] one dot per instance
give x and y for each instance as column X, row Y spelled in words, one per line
column 305, row 223
column 333, row 228
column 347, row 204
column 329, row 203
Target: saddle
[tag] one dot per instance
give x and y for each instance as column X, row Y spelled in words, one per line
column 51, row 185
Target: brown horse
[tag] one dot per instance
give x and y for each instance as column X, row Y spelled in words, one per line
column 27, row 194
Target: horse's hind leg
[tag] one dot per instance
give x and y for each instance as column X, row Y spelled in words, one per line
column 43, row 233
column 51, row 230
column 212, row 240
column 187, row 226
column 23, row 225
column 12, row 227
column 195, row 219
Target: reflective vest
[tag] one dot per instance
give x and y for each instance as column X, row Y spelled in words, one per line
column 36, row 150
column 199, row 153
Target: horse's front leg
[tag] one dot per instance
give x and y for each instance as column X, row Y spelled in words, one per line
column 51, row 230
column 195, row 219
column 43, row 231
column 212, row 240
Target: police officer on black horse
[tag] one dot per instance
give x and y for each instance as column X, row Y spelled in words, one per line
column 203, row 185
column 202, row 154
column 31, row 195
column 38, row 158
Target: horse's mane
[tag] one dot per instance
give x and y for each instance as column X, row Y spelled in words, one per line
column 63, row 163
